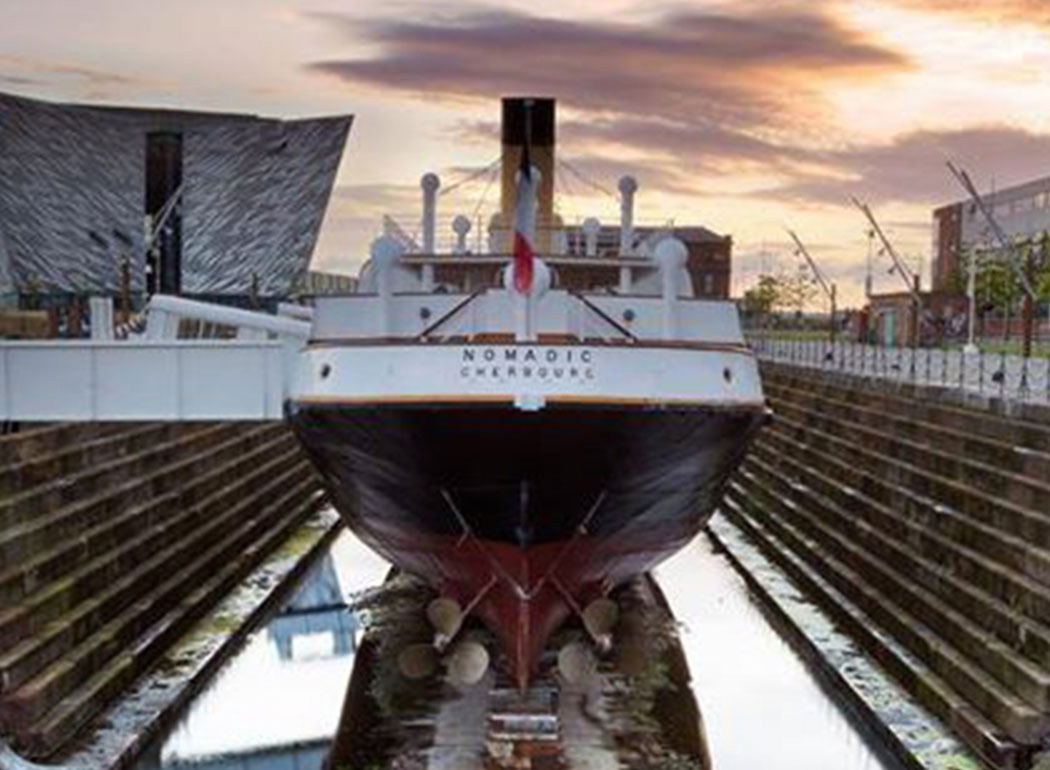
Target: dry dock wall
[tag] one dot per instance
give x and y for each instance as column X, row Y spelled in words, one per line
column 930, row 518
column 114, row 540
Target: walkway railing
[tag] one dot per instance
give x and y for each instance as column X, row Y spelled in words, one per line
column 1001, row 375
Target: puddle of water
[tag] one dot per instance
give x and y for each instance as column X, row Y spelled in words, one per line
column 761, row 706
column 276, row 704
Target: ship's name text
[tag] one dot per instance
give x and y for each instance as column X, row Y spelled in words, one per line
column 527, row 363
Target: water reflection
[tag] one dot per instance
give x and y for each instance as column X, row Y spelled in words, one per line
column 277, row 703
column 760, row 704
column 317, row 609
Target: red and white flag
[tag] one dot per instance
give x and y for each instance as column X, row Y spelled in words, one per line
column 524, row 226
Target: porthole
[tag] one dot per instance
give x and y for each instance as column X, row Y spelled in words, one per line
column 326, row 370
column 727, row 375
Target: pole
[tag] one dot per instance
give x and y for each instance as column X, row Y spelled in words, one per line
column 1004, row 242
column 1028, row 308
column 827, row 286
column 914, row 330
column 971, row 292
column 125, row 290
column 834, row 321
column 902, row 269
column 867, row 270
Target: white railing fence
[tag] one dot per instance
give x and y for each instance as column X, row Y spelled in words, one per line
column 994, row 374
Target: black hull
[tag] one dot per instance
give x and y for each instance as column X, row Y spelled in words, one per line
column 534, row 512
column 523, row 478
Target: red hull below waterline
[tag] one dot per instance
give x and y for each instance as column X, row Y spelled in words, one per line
column 524, row 517
column 524, row 595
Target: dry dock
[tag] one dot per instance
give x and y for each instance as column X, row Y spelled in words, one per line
column 873, row 593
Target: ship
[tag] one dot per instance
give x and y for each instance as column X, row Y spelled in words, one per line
column 526, row 432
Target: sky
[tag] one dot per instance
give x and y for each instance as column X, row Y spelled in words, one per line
column 746, row 117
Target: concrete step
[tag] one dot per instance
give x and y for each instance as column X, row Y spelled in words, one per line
column 154, row 588
column 931, row 690
column 37, row 440
column 1025, row 491
column 951, row 504
column 1014, row 716
column 61, row 555
column 22, row 508
column 927, row 535
column 925, row 404
column 199, row 588
column 76, row 456
column 1031, row 524
column 56, row 619
column 1005, row 455
column 173, row 512
column 161, row 470
column 896, row 573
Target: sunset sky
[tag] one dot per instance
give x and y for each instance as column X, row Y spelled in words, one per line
column 745, row 117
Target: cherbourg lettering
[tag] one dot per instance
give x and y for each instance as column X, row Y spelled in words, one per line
column 527, row 363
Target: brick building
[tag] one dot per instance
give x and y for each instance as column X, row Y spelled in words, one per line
column 1022, row 211
column 710, row 254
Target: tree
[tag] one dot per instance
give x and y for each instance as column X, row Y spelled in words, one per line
column 997, row 283
column 797, row 291
column 1041, row 267
column 761, row 298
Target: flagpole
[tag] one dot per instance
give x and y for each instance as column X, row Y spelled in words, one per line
column 525, row 222
column 531, row 234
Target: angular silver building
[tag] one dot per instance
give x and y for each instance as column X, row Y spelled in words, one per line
column 235, row 201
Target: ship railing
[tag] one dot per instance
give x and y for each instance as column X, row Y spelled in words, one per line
column 588, row 322
column 984, row 374
column 449, row 319
column 166, row 319
column 597, row 320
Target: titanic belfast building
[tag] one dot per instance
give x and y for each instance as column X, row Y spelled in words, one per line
column 205, row 204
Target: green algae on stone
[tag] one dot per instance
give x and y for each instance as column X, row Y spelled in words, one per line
column 303, row 539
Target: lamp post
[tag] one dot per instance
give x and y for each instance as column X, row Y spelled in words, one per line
column 1020, row 267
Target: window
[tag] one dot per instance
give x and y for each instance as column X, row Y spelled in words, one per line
column 707, row 284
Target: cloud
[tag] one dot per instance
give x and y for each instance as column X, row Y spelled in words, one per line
column 1022, row 11
column 724, row 103
column 665, row 154
column 18, row 80
column 736, row 69
column 20, row 70
column 690, row 159
column 911, row 168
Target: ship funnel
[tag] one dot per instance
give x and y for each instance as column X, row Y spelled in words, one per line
column 532, row 119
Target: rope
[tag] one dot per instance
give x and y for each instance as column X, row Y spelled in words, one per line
column 561, row 183
column 470, row 178
column 484, row 193
column 589, row 182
